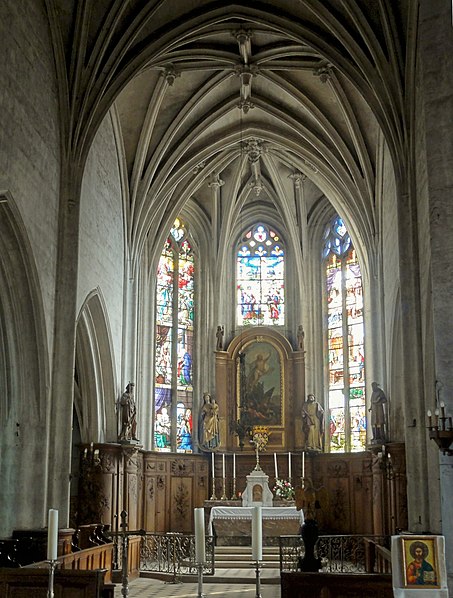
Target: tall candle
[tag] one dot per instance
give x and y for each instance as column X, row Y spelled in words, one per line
column 212, row 465
column 234, row 465
column 52, row 535
column 442, row 409
column 200, row 554
column 430, row 418
column 303, row 465
column 275, row 466
column 257, row 535
column 223, row 465
column 289, row 466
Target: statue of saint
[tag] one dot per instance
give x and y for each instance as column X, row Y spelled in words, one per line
column 209, row 423
column 313, row 424
column 300, row 338
column 219, row 338
column 128, row 414
column 378, row 420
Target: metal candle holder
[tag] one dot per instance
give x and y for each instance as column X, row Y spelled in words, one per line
column 224, row 496
column 257, row 580
column 200, row 581
column 233, row 495
column 213, row 497
column 52, row 567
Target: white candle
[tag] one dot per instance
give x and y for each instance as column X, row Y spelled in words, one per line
column 234, row 465
column 303, row 464
column 289, row 466
column 200, row 555
column 213, row 465
column 257, row 535
column 223, row 465
column 52, row 535
column 275, row 466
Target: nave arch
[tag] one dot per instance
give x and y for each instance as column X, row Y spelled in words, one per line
column 96, row 389
column 24, row 374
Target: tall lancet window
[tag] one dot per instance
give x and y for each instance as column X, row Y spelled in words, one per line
column 173, row 396
column 345, row 341
column 260, row 263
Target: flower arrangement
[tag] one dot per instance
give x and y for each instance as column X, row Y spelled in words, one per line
column 283, row 489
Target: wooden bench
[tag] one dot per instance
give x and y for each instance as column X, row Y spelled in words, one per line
column 27, row 581
column 336, row 585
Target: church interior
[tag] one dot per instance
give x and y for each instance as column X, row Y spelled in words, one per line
column 225, row 241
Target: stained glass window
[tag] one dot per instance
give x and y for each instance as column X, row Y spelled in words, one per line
column 173, row 390
column 260, row 278
column 345, row 341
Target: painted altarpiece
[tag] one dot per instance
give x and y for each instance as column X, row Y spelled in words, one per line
column 260, row 380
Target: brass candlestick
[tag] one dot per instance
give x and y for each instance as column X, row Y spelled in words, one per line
column 260, row 438
column 213, row 497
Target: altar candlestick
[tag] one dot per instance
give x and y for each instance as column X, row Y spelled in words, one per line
column 52, row 535
column 289, row 466
column 275, row 466
column 257, row 535
column 200, row 554
column 234, row 465
column 223, row 465
column 213, row 465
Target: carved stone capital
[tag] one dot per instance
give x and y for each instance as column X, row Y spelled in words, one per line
column 323, row 72
column 170, row 74
column 215, row 181
column 298, row 179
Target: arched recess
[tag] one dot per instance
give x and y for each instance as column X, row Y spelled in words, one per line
column 395, row 408
column 95, row 388
column 24, row 376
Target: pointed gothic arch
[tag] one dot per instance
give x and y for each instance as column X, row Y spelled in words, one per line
column 95, row 386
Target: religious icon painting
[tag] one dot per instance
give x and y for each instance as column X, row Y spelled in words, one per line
column 260, row 384
column 420, row 562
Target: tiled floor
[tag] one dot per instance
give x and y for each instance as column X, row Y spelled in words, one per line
column 147, row 588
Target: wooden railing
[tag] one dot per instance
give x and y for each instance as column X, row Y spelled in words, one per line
column 89, row 559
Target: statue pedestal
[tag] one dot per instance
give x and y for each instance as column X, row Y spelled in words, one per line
column 257, row 493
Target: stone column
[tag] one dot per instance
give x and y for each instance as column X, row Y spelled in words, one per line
column 436, row 54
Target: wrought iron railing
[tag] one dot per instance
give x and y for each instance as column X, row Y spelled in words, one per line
column 338, row 553
column 174, row 553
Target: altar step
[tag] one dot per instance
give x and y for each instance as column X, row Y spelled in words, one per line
column 240, row 557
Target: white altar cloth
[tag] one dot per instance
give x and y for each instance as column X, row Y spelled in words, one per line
column 246, row 513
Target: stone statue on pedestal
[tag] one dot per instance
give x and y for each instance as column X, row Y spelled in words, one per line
column 128, row 414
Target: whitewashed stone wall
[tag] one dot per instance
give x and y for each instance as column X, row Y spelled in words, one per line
column 101, row 247
column 29, row 134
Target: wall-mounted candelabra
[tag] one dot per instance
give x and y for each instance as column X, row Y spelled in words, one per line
column 441, row 429
column 387, row 465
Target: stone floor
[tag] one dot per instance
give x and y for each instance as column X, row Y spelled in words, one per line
column 225, row 586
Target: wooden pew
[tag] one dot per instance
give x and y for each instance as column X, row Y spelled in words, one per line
column 27, row 581
column 336, row 585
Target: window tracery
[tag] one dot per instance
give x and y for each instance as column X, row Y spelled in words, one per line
column 173, row 386
column 260, row 263
column 345, row 341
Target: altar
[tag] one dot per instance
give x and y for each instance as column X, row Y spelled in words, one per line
column 237, row 521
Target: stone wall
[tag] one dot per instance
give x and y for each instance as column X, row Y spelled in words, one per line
column 29, row 135
column 102, row 245
column 29, row 185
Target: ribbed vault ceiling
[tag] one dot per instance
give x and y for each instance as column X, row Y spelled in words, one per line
column 251, row 92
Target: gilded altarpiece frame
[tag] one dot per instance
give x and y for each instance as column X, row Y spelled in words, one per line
column 260, row 380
